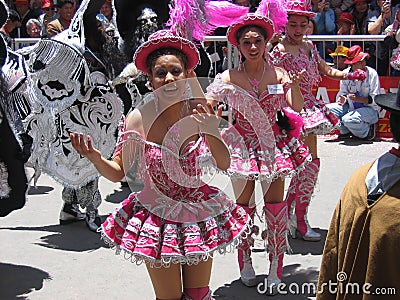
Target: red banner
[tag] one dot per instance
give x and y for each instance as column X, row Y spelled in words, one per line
column 328, row 89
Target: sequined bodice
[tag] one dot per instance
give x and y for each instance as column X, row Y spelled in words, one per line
column 290, row 62
column 269, row 103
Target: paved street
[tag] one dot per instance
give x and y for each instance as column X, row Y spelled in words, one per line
column 42, row 260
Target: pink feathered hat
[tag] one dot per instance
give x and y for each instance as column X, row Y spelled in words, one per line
column 165, row 39
column 300, row 8
column 250, row 19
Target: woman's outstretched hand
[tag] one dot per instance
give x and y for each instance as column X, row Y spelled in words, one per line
column 207, row 118
column 295, row 78
column 85, row 149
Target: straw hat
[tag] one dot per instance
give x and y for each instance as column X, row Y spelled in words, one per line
column 340, row 51
column 165, row 39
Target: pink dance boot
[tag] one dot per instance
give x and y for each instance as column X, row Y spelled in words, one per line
column 247, row 274
column 304, row 190
column 276, row 218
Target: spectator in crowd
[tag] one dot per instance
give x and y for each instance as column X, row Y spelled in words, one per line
column 366, row 21
column 36, row 6
column 345, row 24
column 355, row 106
column 339, row 57
column 13, row 22
column 66, row 12
column 365, row 227
column 106, row 10
column 49, row 14
column 340, row 6
column 325, row 17
column 393, row 31
column 325, row 22
column 25, row 13
column 382, row 20
column 33, row 28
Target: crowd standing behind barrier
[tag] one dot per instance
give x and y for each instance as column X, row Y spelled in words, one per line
column 327, row 88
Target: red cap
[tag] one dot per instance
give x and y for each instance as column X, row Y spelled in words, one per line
column 355, row 54
column 47, row 3
column 345, row 17
column 21, row 2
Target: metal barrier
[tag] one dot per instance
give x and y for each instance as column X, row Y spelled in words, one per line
column 233, row 58
column 22, row 42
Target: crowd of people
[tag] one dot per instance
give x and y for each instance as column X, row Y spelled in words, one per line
column 177, row 222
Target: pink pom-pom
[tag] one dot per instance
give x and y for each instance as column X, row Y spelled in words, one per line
column 295, row 120
column 358, row 74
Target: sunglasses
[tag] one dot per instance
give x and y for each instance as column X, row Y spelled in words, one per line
column 49, row 8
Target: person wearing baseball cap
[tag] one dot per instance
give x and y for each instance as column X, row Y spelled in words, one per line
column 25, row 13
column 355, row 105
column 365, row 227
column 345, row 24
column 49, row 15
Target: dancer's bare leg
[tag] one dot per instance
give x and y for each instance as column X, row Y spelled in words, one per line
column 166, row 282
column 196, row 276
column 244, row 191
column 273, row 192
column 312, row 144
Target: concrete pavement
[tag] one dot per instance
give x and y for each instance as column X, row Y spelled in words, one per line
column 42, row 260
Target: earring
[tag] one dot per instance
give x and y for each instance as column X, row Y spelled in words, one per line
column 148, row 85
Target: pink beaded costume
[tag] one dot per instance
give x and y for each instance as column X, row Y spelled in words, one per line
column 316, row 116
column 259, row 148
column 177, row 217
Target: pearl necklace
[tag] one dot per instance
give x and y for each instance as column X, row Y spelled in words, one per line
column 254, row 82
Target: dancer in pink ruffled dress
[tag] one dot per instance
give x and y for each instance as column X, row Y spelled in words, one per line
column 177, row 222
column 294, row 54
column 261, row 148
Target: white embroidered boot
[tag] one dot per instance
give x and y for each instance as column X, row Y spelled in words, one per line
column 291, row 204
column 304, row 190
column 247, row 273
column 276, row 219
